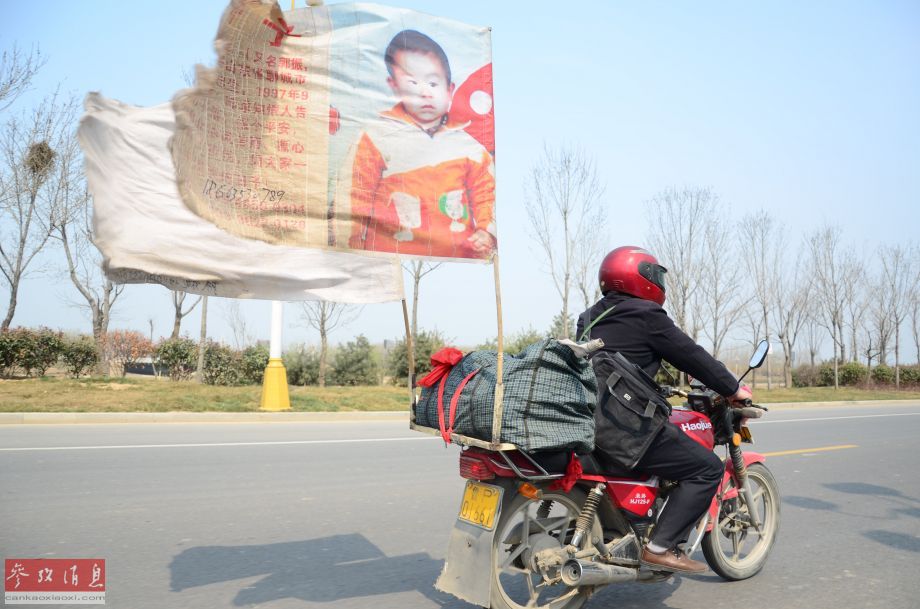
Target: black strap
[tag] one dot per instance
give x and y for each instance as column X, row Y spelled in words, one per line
column 587, row 330
column 613, row 379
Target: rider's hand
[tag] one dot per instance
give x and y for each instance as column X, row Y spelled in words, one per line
column 741, row 395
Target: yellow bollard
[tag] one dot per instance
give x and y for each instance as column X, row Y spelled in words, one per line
column 275, row 387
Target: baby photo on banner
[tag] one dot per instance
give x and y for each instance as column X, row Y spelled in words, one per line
column 350, row 126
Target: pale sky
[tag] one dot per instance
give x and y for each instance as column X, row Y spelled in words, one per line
column 808, row 110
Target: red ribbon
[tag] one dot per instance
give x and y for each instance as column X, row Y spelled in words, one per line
column 573, row 472
column 441, row 364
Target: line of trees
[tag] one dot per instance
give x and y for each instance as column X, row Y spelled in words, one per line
column 747, row 279
column 733, row 279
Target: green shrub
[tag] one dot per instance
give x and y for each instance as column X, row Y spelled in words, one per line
column 562, row 327
column 883, row 375
column 826, row 375
column 355, row 364
column 79, row 355
column 910, row 375
column 302, row 366
column 808, row 376
column 222, row 365
column 43, row 352
column 252, row 365
column 852, row 373
column 426, row 344
column 11, row 346
column 179, row 356
column 515, row 343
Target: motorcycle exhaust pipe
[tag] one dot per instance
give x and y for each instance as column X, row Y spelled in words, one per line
column 584, row 573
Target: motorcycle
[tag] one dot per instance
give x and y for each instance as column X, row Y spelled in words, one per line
column 549, row 530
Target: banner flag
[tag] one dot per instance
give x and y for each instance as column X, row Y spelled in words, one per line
column 147, row 235
column 344, row 127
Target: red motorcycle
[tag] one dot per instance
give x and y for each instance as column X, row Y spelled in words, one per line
column 550, row 529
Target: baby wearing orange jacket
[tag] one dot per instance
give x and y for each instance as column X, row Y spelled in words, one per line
column 420, row 184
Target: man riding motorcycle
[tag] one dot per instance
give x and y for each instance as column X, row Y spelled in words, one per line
column 629, row 318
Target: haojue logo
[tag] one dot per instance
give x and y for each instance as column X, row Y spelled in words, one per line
column 698, row 426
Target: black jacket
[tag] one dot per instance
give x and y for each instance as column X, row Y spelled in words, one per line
column 642, row 331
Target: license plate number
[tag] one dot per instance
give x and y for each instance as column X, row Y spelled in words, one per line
column 480, row 504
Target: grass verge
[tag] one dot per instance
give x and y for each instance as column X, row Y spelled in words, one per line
column 150, row 395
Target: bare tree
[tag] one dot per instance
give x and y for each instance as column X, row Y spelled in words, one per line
column 17, row 68
column 764, row 245
column 718, row 302
column 790, row 314
column 677, row 220
column 178, row 300
column 32, row 147
column 202, row 339
column 325, row 316
column 871, row 350
column 898, row 273
column 856, row 304
column 814, row 333
column 879, row 322
column 564, row 207
column 830, row 263
column 751, row 315
column 915, row 304
column 417, row 269
column 237, row 322
column 74, row 230
column 589, row 251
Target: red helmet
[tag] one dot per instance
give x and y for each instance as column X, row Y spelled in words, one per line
column 635, row 271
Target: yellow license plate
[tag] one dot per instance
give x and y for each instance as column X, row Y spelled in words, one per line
column 746, row 435
column 480, row 504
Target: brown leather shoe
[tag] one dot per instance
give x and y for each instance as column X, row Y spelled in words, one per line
column 671, row 560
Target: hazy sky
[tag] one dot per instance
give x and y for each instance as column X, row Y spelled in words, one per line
column 809, row 110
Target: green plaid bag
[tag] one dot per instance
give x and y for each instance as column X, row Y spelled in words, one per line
column 549, row 398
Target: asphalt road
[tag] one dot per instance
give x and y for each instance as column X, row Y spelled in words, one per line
column 357, row 515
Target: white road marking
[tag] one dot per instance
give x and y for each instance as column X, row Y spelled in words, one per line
column 857, row 416
column 210, row 444
column 367, row 440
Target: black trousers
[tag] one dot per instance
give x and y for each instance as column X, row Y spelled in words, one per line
column 673, row 455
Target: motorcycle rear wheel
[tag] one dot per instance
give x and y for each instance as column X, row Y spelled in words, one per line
column 734, row 548
column 515, row 584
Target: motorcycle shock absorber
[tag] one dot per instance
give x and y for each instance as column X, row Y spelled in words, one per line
column 545, row 506
column 744, row 483
column 586, row 517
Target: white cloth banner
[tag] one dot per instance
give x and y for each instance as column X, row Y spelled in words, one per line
column 147, row 235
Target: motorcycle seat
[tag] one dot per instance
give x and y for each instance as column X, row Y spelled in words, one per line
column 555, row 462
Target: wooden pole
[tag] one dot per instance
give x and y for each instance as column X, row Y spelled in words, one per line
column 410, row 354
column 499, row 365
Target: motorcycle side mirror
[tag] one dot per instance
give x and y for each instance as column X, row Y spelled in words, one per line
column 759, row 357
column 760, row 354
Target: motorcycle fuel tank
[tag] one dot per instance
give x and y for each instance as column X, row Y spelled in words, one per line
column 696, row 425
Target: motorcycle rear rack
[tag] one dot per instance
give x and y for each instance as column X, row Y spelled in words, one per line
column 502, row 449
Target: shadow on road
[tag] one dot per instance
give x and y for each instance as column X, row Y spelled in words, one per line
column 316, row 570
column 810, row 503
column 861, row 488
column 899, row 541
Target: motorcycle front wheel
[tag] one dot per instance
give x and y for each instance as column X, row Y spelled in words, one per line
column 526, row 527
column 734, row 548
